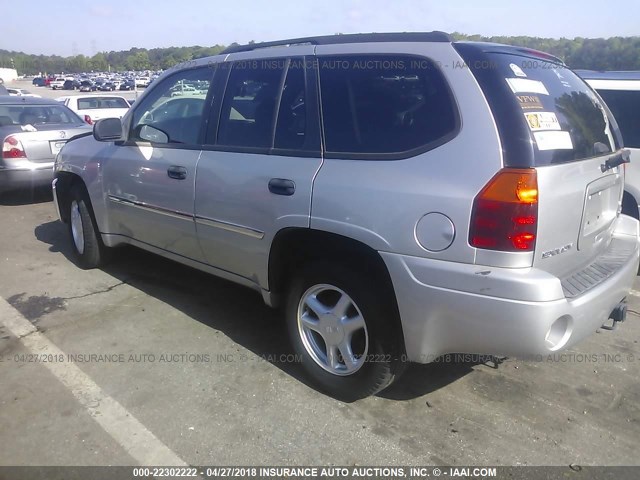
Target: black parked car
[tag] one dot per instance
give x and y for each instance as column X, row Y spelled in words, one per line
column 39, row 81
column 127, row 85
column 107, row 87
column 71, row 85
column 87, row 86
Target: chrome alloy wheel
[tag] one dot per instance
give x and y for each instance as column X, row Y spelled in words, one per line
column 77, row 230
column 332, row 329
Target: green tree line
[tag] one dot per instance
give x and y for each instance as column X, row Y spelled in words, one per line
column 615, row 53
column 133, row 59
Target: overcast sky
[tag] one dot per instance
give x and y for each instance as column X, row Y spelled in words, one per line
column 72, row 28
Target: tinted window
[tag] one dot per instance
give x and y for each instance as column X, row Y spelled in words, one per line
column 249, row 106
column 383, row 104
column 37, row 115
column 542, row 109
column 175, row 107
column 292, row 114
column 101, row 102
column 625, row 106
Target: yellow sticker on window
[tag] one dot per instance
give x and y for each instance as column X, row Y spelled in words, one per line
column 542, row 121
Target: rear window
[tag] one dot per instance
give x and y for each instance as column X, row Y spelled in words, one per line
column 545, row 113
column 625, row 106
column 390, row 105
column 37, row 115
column 101, row 102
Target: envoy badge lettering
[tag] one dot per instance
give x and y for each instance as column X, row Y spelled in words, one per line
column 557, row 251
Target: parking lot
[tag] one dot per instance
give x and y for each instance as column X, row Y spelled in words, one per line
column 198, row 371
column 47, row 92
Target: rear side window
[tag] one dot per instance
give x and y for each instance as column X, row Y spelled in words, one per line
column 625, row 106
column 394, row 105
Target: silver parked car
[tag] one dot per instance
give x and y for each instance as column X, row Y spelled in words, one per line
column 401, row 196
column 32, row 132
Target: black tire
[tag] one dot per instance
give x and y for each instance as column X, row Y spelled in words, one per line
column 383, row 360
column 90, row 252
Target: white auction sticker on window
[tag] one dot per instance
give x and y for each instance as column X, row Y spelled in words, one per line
column 542, row 121
column 517, row 71
column 553, row 140
column 526, row 85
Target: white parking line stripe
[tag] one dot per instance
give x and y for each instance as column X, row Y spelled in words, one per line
column 635, row 293
column 132, row 435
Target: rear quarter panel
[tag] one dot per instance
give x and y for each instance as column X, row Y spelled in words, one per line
column 380, row 202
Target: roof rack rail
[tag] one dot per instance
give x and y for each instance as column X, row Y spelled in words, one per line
column 347, row 38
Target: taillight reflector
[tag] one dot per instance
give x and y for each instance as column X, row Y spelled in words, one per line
column 12, row 148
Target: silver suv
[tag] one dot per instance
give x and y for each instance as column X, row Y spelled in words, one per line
column 401, row 196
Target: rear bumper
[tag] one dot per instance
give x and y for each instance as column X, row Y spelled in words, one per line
column 460, row 308
column 35, row 175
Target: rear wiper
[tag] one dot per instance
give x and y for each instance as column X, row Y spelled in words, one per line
column 613, row 162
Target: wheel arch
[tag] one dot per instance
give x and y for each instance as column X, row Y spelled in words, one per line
column 66, row 181
column 294, row 247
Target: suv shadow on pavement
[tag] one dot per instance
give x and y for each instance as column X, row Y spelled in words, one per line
column 234, row 310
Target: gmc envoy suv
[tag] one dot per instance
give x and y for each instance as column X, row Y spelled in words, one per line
column 400, row 196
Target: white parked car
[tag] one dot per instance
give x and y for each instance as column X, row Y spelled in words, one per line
column 142, row 81
column 93, row 108
column 21, row 92
column 621, row 93
column 58, row 83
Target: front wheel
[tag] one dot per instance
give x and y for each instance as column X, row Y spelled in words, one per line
column 87, row 244
column 344, row 329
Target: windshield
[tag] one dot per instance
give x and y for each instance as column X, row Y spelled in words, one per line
column 545, row 113
column 567, row 120
column 101, row 102
column 38, row 114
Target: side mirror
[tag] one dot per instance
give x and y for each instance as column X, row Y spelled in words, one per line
column 152, row 134
column 108, row 130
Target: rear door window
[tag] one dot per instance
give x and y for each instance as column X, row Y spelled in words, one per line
column 625, row 106
column 390, row 105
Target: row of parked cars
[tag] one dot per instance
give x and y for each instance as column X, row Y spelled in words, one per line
column 396, row 210
column 93, row 82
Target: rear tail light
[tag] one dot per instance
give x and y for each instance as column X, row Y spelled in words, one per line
column 505, row 212
column 87, row 119
column 12, row 148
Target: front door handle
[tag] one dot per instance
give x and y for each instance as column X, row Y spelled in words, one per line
column 282, row 186
column 177, row 172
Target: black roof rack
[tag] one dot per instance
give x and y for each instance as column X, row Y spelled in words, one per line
column 348, row 38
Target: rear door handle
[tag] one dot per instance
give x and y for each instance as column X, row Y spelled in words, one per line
column 282, row 186
column 177, row 172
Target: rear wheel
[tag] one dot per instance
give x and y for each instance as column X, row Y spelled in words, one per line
column 87, row 244
column 343, row 329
